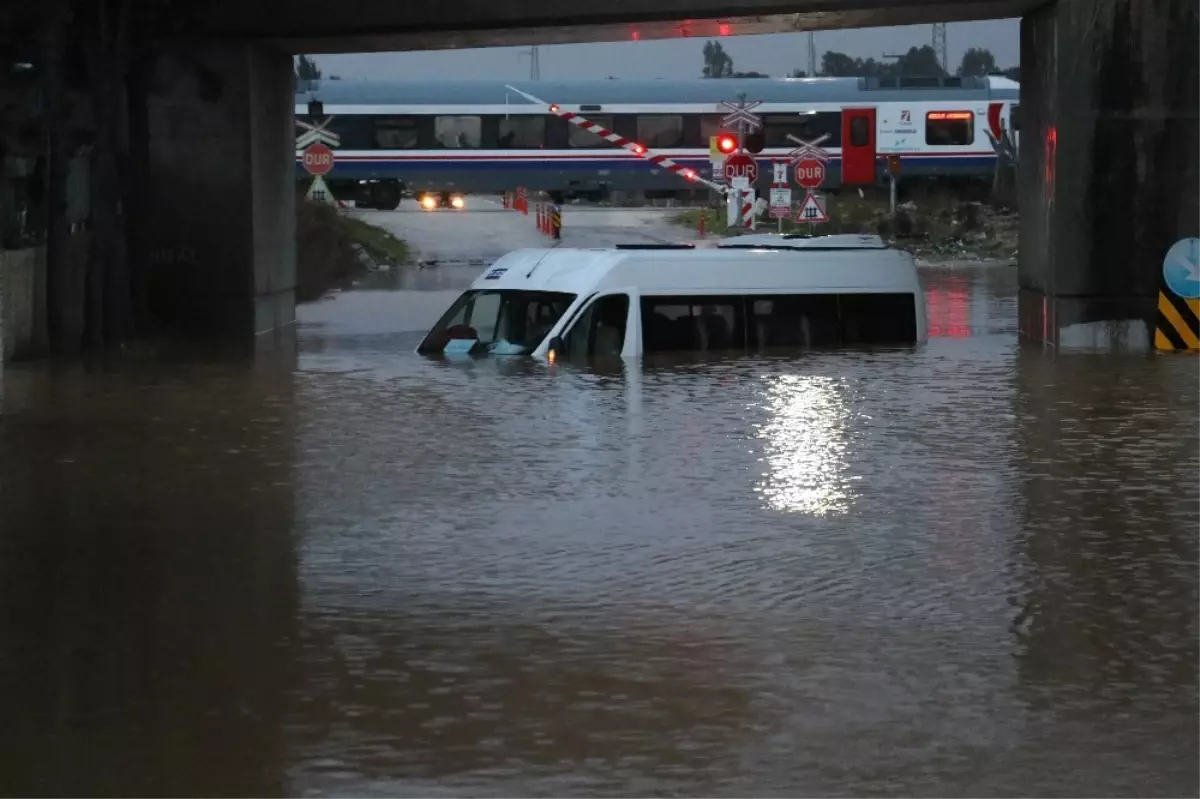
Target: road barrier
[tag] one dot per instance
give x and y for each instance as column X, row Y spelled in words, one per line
column 556, row 222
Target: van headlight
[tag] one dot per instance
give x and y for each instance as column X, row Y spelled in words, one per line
column 458, row 202
column 428, row 202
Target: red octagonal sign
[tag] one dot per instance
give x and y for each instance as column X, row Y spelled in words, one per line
column 318, row 159
column 740, row 165
column 810, row 173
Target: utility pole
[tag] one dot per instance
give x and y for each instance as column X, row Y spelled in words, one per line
column 939, row 45
column 812, row 54
column 535, row 69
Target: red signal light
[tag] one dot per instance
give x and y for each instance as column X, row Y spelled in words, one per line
column 639, row 149
column 726, row 144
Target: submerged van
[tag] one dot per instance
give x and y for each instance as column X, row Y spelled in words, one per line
column 751, row 293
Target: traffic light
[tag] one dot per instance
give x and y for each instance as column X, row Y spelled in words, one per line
column 755, row 143
column 726, row 143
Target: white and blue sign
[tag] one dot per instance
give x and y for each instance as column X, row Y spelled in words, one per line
column 459, row 346
column 1181, row 268
column 495, row 273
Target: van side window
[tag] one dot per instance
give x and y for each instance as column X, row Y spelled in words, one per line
column 598, row 332
column 697, row 324
column 801, row 320
column 756, row 323
column 877, row 318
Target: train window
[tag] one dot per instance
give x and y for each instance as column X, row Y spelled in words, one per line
column 1014, row 119
column 395, row 133
column 860, row 131
column 458, row 133
column 578, row 137
column 522, row 132
column 660, row 130
column 807, row 126
column 949, row 128
column 710, row 125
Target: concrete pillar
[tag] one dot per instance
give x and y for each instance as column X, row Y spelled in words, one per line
column 1110, row 144
column 222, row 215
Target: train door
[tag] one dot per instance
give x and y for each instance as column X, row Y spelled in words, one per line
column 858, row 146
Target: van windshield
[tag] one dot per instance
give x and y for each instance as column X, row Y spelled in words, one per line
column 505, row 322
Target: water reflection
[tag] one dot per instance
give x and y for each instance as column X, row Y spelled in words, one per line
column 963, row 569
column 804, row 443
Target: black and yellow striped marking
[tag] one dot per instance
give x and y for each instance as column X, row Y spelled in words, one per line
column 1178, row 325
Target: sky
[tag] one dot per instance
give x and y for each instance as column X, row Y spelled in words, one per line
column 775, row 54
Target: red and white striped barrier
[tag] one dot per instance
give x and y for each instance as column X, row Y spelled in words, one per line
column 615, row 138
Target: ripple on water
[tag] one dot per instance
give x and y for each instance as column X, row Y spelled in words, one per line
column 965, row 569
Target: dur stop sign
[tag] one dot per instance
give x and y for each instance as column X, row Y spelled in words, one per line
column 741, row 165
column 810, row 173
column 318, row 159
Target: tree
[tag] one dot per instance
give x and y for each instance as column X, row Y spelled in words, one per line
column 798, row 73
column 839, row 65
column 1013, row 73
column 919, row 62
column 717, row 63
column 307, row 69
column 750, row 74
column 977, row 61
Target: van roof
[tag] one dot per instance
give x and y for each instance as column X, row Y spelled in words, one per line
column 712, row 270
column 796, row 241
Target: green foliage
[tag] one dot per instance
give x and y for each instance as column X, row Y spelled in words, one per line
column 306, row 68
column 917, row 62
column 977, row 61
column 717, row 63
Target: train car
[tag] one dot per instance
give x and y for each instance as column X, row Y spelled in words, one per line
column 464, row 137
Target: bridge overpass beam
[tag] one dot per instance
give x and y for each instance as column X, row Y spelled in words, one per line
column 220, row 221
column 1109, row 165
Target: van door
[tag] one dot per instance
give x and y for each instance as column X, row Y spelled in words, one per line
column 599, row 331
column 858, row 147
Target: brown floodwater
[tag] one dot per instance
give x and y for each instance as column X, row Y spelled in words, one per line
column 966, row 569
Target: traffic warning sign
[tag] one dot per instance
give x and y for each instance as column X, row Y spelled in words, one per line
column 812, row 210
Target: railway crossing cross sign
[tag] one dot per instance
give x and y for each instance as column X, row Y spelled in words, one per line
column 316, row 133
column 809, row 149
column 740, row 115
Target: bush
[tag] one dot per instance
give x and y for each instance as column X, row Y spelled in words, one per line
column 324, row 251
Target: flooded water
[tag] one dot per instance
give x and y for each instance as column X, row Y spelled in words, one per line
column 969, row 569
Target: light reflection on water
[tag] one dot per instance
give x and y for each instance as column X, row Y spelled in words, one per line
column 967, row 569
column 804, row 443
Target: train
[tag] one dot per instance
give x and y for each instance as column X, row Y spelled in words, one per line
column 395, row 138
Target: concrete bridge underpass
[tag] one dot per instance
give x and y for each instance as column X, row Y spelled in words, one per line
column 1110, row 136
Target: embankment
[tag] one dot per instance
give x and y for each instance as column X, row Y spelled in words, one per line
column 931, row 225
column 334, row 248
